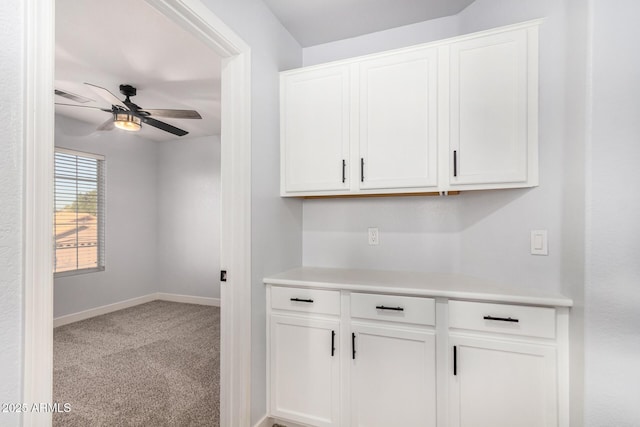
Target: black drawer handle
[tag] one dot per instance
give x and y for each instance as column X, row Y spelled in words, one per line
column 353, row 346
column 455, row 360
column 455, row 162
column 502, row 319
column 302, row 300
column 333, row 343
column 383, row 307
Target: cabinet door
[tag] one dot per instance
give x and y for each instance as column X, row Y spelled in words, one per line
column 315, row 130
column 393, row 379
column 502, row 384
column 493, row 110
column 397, row 120
column 305, row 370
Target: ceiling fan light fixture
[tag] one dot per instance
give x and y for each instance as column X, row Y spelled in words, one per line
column 127, row 122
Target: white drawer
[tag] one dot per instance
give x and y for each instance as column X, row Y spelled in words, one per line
column 393, row 308
column 503, row 318
column 306, row 300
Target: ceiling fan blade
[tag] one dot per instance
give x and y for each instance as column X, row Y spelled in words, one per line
column 84, row 106
column 164, row 126
column 108, row 125
column 72, row 96
column 107, row 96
column 174, row 114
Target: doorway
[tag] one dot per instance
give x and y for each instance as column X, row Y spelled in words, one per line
column 235, row 258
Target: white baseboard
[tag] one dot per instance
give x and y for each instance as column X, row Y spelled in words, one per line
column 267, row 421
column 98, row 311
column 264, row 422
column 110, row 308
column 188, row 299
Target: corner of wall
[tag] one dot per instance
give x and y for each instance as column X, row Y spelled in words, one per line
column 12, row 325
column 575, row 189
column 394, row 38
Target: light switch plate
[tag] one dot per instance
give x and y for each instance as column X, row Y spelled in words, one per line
column 539, row 242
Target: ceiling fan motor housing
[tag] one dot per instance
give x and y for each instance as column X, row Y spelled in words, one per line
column 128, row 90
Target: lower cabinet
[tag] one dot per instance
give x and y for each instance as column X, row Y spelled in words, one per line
column 497, row 383
column 393, row 377
column 305, row 369
column 342, row 358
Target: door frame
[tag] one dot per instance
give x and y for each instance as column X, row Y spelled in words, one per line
column 235, row 253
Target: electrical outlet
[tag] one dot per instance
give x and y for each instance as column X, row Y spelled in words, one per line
column 373, row 236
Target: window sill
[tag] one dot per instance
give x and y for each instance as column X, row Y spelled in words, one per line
column 77, row 272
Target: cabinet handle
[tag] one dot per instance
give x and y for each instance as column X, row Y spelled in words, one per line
column 344, row 167
column 455, row 360
column 333, row 343
column 502, row 319
column 455, row 162
column 302, row 300
column 361, row 169
column 353, row 345
column 382, row 307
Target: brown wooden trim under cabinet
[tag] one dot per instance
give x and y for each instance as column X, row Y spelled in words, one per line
column 352, row 196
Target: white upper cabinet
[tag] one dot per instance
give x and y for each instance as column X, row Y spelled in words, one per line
column 493, row 110
column 397, row 120
column 458, row 114
column 315, row 130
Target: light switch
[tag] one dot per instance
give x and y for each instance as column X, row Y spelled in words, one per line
column 539, row 243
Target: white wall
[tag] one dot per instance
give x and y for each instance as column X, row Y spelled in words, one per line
column 11, row 187
column 131, row 223
column 483, row 233
column 394, row 38
column 573, row 198
column 163, row 218
column 495, row 238
column 416, row 233
column 188, row 216
column 612, row 337
column 276, row 223
column 276, row 228
column 492, row 227
column 479, row 233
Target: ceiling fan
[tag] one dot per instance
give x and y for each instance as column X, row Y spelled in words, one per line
column 126, row 115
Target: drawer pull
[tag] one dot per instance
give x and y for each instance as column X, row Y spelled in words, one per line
column 353, row 346
column 502, row 319
column 382, row 307
column 310, row 301
column 455, row 360
column 455, row 162
column 333, row 343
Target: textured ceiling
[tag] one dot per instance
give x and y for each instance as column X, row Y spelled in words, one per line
column 108, row 43
column 313, row 22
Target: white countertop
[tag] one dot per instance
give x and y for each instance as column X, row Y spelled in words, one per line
column 453, row 286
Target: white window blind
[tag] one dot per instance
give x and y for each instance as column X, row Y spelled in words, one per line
column 79, row 212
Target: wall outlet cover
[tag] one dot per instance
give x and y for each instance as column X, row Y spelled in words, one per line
column 373, row 236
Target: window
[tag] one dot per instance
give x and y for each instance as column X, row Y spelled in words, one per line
column 79, row 212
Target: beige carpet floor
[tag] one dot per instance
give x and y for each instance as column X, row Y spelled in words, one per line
column 156, row 364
